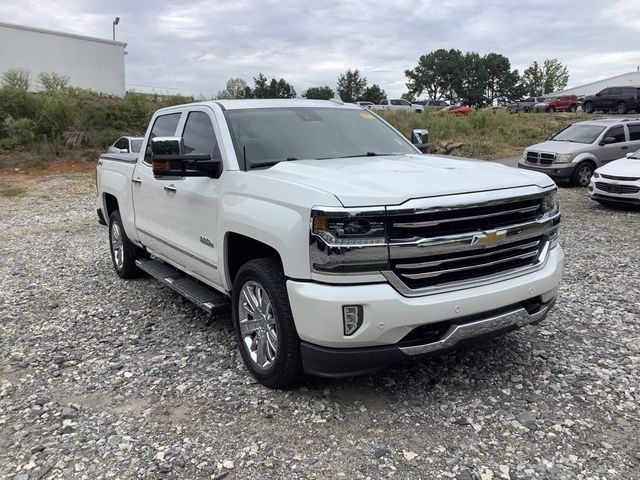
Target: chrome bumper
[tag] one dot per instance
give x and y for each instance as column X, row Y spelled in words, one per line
column 486, row 326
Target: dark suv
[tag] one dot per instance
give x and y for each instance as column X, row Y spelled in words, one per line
column 618, row 99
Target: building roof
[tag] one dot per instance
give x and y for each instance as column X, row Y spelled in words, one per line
column 609, row 80
column 61, row 34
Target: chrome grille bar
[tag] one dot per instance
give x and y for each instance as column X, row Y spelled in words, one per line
column 431, row 223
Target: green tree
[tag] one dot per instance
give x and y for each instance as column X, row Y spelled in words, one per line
column 52, row 83
column 260, row 87
column 501, row 80
column 373, row 94
column 408, row 96
column 318, row 93
column 541, row 80
column 351, row 85
column 235, row 88
column 56, row 115
column 439, row 74
column 474, row 80
column 556, row 75
column 18, row 79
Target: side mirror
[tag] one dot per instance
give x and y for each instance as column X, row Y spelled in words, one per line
column 124, row 150
column 420, row 139
column 630, row 154
column 169, row 160
column 608, row 140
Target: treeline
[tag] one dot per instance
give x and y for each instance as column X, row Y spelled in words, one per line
column 468, row 78
column 60, row 115
column 477, row 80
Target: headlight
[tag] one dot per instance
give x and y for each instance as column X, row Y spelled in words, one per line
column 596, row 174
column 345, row 241
column 551, row 204
column 524, row 155
column 564, row 157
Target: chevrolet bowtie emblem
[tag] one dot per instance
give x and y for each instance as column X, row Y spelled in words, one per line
column 488, row 238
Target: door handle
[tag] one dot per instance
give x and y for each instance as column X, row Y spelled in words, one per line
column 170, row 189
column 136, row 180
column 623, row 148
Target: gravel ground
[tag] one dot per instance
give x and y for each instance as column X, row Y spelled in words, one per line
column 104, row 378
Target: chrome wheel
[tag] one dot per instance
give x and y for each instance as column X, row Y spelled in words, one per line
column 257, row 323
column 117, row 245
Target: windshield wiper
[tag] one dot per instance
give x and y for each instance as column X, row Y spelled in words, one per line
column 271, row 163
column 367, row 154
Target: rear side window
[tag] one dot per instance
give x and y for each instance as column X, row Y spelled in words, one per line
column 122, row 143
column 616, row 132
column 634, row 131
column 615, row 91
column 199, row 136
column 164, row 126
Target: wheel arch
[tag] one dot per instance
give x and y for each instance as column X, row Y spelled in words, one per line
column 240, row 248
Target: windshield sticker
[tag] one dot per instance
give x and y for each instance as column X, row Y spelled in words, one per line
column 366, row 116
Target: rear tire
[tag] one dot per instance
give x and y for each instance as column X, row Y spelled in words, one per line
column 264, row 326
column 622, row 108
column 582, row 174
column 123, row 252
column 573, row 108
column 588, row 107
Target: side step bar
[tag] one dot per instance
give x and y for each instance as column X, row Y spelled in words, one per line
column 207, row 298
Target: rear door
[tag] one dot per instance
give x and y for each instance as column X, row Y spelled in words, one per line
column 634, row 137
column 149, row 194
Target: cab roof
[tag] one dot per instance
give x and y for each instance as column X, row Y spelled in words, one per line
column 269, row 103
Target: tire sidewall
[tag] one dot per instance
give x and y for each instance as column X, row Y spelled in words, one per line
column 576, row 176
column 288, row 342
column 128, row 269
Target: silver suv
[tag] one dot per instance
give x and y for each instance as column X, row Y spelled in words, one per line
column 575, row 152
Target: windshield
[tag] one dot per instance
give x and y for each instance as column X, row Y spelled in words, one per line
column 579, row 134
column 271, row 135
column 136, row 145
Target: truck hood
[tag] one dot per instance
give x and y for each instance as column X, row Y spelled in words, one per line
column 625, row 167
column 552, row 146
column 392, row 180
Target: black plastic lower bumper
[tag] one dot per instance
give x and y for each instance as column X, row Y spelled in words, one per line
column 561, row 172
column 346, row 362
column 623, row 202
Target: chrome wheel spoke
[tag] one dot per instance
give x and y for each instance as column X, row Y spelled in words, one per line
column 257, row 325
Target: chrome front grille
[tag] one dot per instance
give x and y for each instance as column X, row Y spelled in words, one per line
column 442, row 247
column 540, row 158
column 617, row 188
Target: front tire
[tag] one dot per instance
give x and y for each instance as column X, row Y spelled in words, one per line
column 123, row 252
column 622, row 108
column 588, row 107
column 582, row 174
column 264, row 326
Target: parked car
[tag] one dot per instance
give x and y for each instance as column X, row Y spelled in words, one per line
column 126, row 145
column 543, row 105
column 614, row 99
column 365, row 104
column 338, row 245
column 397, row 104
column 432, row 104
column 456, row 110
column 562, row 103
column 526, row 105
column 618, row 182
column 574, row 153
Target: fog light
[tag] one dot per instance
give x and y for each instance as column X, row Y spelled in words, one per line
column 352, row 316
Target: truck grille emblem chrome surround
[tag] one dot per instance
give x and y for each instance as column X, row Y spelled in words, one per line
column 489, row 238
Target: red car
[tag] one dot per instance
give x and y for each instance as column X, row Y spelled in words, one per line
column 457, row 110
column 566, row 103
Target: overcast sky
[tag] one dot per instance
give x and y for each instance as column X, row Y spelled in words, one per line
column 195, row 46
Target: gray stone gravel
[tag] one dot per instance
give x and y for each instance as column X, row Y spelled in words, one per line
column 102, row 378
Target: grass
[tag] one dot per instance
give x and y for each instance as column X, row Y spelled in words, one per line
column 9, row 191
column 484, row 134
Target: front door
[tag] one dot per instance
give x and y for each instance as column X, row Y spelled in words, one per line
column 191, row 209
column 614, row 151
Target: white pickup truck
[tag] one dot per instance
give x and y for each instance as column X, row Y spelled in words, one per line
column 397, row 104
column 339, row 247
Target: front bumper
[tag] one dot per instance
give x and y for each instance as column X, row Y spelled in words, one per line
column 389, row 317
column 605, row 197
column 561, row 171
column 342, row 362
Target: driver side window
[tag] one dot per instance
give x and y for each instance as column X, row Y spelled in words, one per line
column 617, row 132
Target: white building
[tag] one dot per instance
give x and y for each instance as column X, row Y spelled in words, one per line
column 91, row 63
column 631, row 79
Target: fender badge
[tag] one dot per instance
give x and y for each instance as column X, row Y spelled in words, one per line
column 206, row 240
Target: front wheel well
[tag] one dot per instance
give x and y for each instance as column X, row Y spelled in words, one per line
column 111, row 204
column 240, row 249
